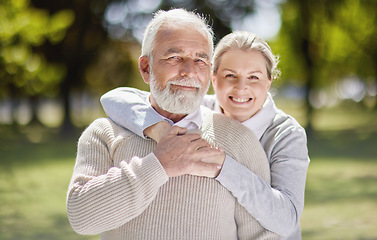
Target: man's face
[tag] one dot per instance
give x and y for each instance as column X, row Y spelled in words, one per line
column 180, row 70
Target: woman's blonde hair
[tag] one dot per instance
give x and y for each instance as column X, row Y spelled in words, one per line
column 246, row 41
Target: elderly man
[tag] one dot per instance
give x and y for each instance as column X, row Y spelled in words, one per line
column 127, row 187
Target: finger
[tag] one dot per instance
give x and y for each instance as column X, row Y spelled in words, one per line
column 214, row 159
column 206, row 169
column 209, row 174
column 200, row 143
column 175, row 130
column 191, row 139
column 211, row 150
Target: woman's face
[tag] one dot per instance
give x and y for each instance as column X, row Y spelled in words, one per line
column 241, row 83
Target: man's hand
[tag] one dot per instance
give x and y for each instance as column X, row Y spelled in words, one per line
column 180, row 153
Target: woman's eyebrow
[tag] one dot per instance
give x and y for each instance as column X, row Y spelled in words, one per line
column 228, row 69
column 255, row 71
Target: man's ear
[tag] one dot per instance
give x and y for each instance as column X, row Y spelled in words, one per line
column 144, row 68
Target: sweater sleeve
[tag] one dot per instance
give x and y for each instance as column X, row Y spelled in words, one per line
column 102, row 197
column 288, row 154
column 128, row 108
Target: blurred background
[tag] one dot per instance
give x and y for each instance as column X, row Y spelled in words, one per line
column 58, row 57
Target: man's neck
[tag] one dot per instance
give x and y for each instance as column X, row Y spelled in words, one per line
column 175, row 117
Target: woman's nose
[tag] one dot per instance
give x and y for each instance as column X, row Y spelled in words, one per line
column 240, row 84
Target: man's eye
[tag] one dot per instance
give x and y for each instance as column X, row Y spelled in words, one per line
column 230, row 76
column 200, row 62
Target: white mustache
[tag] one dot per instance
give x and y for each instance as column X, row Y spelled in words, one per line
column 186, row 82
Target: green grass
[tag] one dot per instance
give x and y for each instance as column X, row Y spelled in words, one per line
column 341, row 193
column 34, row 178
column 341, row 199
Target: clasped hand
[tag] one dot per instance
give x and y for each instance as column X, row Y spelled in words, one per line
column 183, row 153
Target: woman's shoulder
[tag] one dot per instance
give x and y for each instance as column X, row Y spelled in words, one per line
column 284, row 124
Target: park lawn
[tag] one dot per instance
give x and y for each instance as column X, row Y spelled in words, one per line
column 34, row 179
column 340, row 201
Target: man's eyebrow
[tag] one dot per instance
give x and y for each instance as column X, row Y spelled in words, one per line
column 173, row 50
column 202, row 55
column 177, row 50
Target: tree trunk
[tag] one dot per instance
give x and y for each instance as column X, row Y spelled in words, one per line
column 14, row 103
column 308, row 63
column 34, row 103
column 67, row 127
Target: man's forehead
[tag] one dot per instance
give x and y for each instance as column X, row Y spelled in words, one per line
column 180, row 34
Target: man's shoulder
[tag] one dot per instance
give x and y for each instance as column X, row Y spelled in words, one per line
column 219, row 125
column 107, row 128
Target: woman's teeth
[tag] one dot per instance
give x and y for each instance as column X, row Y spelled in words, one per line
column 240, row 100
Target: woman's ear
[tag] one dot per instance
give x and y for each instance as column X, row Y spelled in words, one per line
column 144, row 68
column 213, row 79
column 269, row 84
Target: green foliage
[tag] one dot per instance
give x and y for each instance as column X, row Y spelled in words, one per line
column 341, row 36
column 22, row 30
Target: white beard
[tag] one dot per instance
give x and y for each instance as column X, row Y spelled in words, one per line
column 178, row 101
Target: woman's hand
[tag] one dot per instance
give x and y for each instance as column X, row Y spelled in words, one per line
column 157, row 131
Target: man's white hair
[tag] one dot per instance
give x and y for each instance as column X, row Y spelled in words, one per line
column 175, row 17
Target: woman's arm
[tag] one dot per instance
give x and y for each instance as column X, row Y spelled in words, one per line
column 128, row 108
column 277, row 207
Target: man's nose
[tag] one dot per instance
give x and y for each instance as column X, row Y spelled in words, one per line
column 187, row 68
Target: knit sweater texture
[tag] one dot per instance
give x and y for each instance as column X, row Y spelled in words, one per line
column 120, row 190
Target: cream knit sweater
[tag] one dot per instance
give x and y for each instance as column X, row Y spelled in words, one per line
column 122, row 196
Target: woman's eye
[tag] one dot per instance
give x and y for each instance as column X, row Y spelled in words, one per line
column 230, row 76
column 253, row 77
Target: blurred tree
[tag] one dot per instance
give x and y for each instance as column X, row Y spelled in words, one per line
column 98, row 63
column 78, row 48
column 128, row 18
column 323, row 41
column 54, row 47
column 24, row 71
